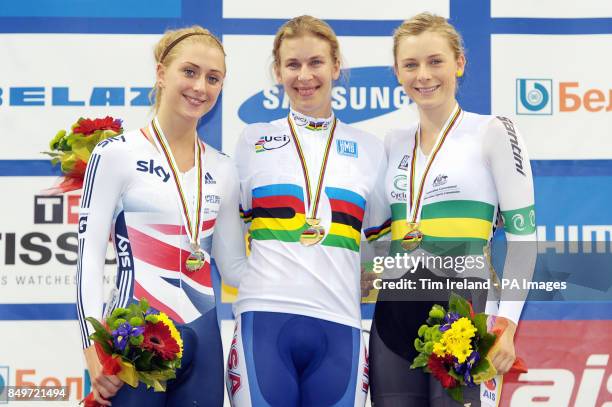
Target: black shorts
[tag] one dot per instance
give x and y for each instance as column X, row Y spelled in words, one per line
column 392, row 382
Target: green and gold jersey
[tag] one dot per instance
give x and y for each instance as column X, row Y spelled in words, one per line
column 480, row 170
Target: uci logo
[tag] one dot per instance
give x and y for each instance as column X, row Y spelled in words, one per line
column 266, row 143
column 534, row 96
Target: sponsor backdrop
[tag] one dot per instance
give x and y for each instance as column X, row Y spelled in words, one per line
column 545, row 64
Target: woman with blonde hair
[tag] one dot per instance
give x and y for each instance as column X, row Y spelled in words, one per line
column 462, row 170
column 309, row 185
column 161, row 193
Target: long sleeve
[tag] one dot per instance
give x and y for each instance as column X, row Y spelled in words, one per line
column 104, row 181
column 241, row 158
column 507, row 157
column 228, row 248
column 377, row 219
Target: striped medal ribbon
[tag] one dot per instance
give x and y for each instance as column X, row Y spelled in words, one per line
column 315, row 232
column 192, row 220
column 413, row 238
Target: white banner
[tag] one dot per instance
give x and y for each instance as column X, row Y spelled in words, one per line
column 339, row 9
column 562, row 103
column 551, row 9
column 38, row 244
column 50, row 80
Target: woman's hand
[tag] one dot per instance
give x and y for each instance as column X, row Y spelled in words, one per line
column 502, row 354
column 367, row 282
column 103, row 386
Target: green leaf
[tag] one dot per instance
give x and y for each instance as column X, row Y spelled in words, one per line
column 97, row 337
column 435, row 333
column 418, row 345
column 483, row 371
column 458, row 304
column 144, row 304
column 146, row 379
column 485, row 344
column 456, row 393
column 422, row 329
column 134, row 308
column 480, row 322
column 119, row 312
column 455, row 375
column 152, row 318
column 118, row 322
column 437, row 312
column 100, row 332
column 419, row 361
column 143, row 363
column 96, row 324
column 136, row 340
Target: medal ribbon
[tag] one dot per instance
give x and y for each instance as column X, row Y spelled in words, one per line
column 414, row 203
column 193, row 222
column 313, row 208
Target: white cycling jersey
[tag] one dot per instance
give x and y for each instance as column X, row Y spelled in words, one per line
column 129, row 195
column 321, row 281
column 482, row 167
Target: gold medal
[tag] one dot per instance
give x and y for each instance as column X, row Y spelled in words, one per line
column 413, row 238
column 314, row 234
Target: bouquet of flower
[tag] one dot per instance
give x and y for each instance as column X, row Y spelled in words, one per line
column 72, row 150
column 454, row 346
column 137, row 345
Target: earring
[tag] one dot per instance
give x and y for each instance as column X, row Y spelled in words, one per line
column 459, row 73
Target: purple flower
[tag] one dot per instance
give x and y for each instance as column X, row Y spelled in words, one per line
column 465, row 368
column 448, row 321
column 120, row 342
column 137, row 331
column 122, row 334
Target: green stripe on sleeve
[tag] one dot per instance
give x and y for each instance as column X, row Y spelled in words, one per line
column 520, row 221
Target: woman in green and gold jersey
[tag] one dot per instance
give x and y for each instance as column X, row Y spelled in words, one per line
column 449, row 177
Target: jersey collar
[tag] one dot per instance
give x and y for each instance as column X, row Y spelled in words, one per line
column 310, row 123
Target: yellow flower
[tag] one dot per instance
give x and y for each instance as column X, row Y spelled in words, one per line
column 173, row 331
column 439, row 349
column 463, row 327
column 457, row 340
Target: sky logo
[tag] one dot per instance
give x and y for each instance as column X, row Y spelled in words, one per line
column 366, row 93
column 534, row 96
